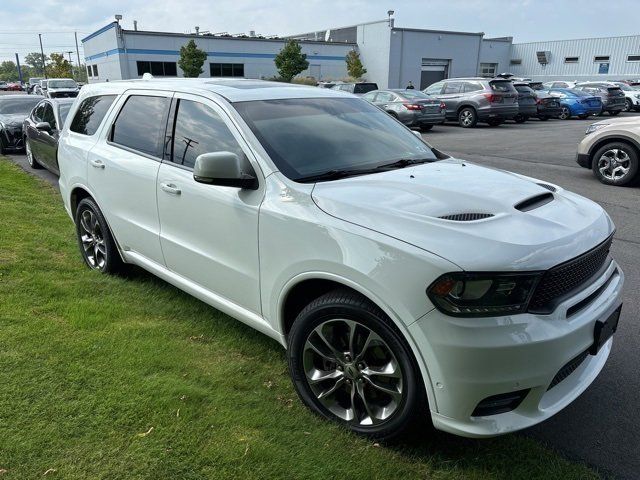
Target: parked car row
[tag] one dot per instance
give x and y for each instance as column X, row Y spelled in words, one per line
column 56, row 88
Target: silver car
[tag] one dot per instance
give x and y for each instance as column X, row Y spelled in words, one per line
column 412, row 107
column 473, row 100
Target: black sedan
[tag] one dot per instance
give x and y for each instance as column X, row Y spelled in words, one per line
column 42, row 130
column 13, row 110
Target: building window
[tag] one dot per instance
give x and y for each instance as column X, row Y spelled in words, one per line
column 633, row 58
column 571, row 59
column 89, row 71
column 95, row 70
column 516, row 61
column 488, row 69
column 158, row 69
column 226, row 69
column 601, row 58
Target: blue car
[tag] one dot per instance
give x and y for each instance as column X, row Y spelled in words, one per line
column 576, row 103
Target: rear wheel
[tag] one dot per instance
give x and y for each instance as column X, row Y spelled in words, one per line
column 425, row 128
column 97, row 245
column 31, row 159
column 565, row 113
column 520, row 118
column 467, row 117
column 616, row 163
column 350, row 365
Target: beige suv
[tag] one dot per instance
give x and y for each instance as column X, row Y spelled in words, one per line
column 611, row 149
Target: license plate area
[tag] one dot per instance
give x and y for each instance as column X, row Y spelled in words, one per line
column 604, row 330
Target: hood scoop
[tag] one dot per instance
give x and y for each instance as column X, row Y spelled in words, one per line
column 551, row 188
column 466, row 217
column 534, row 202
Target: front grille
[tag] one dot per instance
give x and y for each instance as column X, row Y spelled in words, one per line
column 567, row 277
column 568, row 369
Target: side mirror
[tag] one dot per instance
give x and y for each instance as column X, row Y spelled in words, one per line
column 224, row 169
column 43, row 126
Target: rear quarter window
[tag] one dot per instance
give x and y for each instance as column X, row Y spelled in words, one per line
column 90, row 114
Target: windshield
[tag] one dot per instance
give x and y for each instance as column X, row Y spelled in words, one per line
column 306, row 137
column 63, row 110
column 502, row 86
column 62, row 84
column 364, row 87
column 18, row 105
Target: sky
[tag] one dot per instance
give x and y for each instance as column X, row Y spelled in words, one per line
column 525, row 20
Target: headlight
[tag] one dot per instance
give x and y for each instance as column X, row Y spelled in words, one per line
column 595, row 126
column 463, row 294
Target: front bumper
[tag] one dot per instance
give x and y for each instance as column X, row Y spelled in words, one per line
column 583, row 160
column 11, row 138
column 471, row 359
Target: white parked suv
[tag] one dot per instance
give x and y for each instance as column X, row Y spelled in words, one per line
column 398, row 278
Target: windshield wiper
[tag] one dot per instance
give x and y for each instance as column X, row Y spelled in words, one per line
column 337, row 174
column 404, row 162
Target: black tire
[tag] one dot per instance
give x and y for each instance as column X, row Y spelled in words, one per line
column 613, row 113
column 31, row 158
column 467, row 117
column 425, row 128
column 631, row 153
column 494, row 122
column 628, row 105
column 337, row 306
column 106, row 259
column 520, row 118
column 565, row 113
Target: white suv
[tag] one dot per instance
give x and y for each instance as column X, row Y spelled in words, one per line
column 397, row 277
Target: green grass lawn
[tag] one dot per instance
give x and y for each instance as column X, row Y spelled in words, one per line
column 112, row 377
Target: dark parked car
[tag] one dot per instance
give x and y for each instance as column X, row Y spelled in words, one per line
column 412, row 107
column 13, row 110
column 358, row 88
column 473, row 100
column 548, row 106
column 613, row 99
column 41, row 131
column 527, row 106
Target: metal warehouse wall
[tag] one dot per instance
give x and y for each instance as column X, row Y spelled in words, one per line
column 374, row 46
column 326, row 61
column 498, row 51
column 618, row 48
column 101, row 49
column 410, row 46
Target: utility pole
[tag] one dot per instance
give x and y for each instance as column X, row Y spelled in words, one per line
column 44, row 69
column 19, row 70
column 77, row 49
column 70, row 61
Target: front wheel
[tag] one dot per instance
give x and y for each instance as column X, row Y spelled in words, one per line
column 350, row 365
column 565, row 113
column 519, row 118
column 97, row 245
column 616, row 163
column 628, row 105
column 467, row 118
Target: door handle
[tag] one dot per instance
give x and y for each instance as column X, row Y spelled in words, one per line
column 97, row 163
column 170, row 188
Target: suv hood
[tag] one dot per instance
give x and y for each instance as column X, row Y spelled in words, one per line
column 406, row 204
column 14, row 119
column 620, row 120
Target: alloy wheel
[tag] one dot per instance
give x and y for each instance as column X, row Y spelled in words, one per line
column 627, row 106
column 93, row 240
column 565, row 113
column 614, row 164
column 352, row 372
column 466, row 117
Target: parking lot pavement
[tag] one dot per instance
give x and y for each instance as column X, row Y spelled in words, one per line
column 601, row 426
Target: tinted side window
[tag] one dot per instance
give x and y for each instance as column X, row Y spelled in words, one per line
column 198, row 130
column 90, row 113
column 48, row 116
column 472, row 87
column 385, row 97
column 452, row 87
column 141, row 123
column 434, row 89
column 37, row 113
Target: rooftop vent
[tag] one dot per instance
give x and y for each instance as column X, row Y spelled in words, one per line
column 466, row 217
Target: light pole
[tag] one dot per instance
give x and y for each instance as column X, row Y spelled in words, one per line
column 44, row 70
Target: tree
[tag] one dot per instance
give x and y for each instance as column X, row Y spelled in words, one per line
column 59, row 67
column 291, row 61
column 34, row 60
column 8, row 71
column 354, row 65
column 191, row 59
